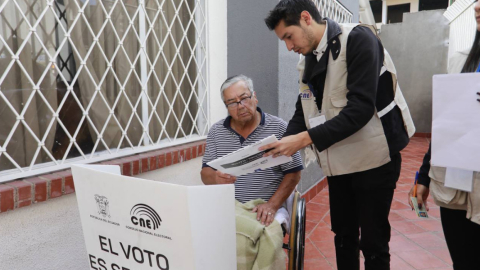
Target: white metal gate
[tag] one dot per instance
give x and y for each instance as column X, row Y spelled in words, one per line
column 334, row 10
column 89, row 80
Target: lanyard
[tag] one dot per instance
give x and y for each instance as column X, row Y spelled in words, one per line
column 478, row 69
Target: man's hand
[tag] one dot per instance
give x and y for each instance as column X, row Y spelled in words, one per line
column 422, row 195
column 265, row 213
column 287, row 146
column 223, row 178
column 212, row 177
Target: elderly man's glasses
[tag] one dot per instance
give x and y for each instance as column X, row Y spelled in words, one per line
column 234, row 104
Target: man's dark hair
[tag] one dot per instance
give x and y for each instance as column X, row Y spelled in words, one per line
column 289, row 11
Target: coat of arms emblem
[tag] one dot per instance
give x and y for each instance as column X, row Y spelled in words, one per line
column 102, row 205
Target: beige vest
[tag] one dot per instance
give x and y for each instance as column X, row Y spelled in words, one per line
column 449, row 197
column 367, row 148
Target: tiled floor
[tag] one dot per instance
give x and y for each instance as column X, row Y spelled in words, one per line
column 415, row 243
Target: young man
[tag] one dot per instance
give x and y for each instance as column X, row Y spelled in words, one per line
column 352, row 112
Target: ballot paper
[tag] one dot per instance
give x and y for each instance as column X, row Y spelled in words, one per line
column 456, row 125
column 316, row 121
column 248, row 159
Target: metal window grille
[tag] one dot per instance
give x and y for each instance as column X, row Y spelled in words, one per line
column 89, row 80
column 334, row 10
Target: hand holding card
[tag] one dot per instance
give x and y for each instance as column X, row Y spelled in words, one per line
column 421, row 211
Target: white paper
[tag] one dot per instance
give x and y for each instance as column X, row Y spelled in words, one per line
column 456, row 121
column 459, row 179
column 142, row 224
column 248, row 159
column 316, row 121
column 310, row 156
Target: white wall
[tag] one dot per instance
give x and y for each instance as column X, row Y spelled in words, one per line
column 48, row 235
column 217, row 22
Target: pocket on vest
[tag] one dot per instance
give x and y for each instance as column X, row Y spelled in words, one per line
column 447, row 195
column 339, row 101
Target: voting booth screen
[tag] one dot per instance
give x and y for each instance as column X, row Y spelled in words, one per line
column 135, row 224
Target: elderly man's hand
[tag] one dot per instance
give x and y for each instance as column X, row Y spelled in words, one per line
column 223, row 178
column 265, row 213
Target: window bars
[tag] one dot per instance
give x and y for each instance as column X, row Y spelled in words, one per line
column 89, row 80
column 334, row 10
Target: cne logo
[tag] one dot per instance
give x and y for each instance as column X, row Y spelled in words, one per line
column 306, row 94
column 144, row 216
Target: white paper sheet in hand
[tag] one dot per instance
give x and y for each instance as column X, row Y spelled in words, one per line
column 456, row 124
column 248, row 159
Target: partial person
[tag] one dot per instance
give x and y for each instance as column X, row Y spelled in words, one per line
column 459, row 210
column 260, row 195
column 352, row 114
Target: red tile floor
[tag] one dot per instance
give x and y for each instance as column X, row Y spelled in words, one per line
column 415, row 243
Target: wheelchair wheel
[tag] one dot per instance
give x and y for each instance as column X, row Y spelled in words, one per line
column 297, row 235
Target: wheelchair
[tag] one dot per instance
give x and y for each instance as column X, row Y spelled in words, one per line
column 296, row 207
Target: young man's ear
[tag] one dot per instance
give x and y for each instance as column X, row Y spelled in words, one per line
column 305, row 16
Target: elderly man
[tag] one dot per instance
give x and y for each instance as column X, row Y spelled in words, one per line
column 245, row 125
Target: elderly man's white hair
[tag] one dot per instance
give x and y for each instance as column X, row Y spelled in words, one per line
column 233, row 80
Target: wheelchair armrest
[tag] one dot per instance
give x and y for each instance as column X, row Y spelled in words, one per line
column 289, row 204
column 297, row 233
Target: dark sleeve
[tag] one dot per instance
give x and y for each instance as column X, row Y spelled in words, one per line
column 364, row 62
column 423, row 177
column 297, row 123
